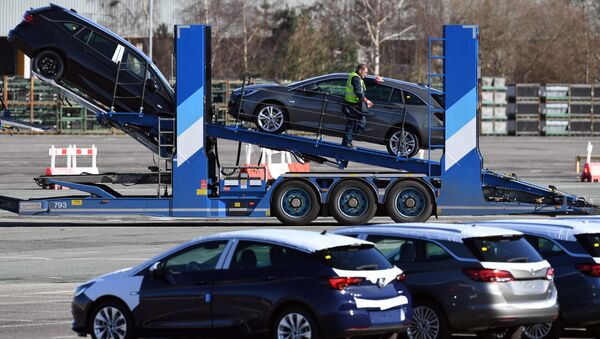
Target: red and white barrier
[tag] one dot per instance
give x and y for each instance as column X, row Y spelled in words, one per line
column 71, row 153
column 273, row 170
column 591, row 170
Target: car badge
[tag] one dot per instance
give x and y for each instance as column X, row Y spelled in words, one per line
column 381, row 282
column 532, row 271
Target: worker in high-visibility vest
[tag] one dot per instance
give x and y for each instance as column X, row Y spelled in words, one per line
column 356, row 105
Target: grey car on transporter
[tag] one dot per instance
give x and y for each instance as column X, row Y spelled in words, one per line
column 572, row 247
column 485, row 280
column 398, row 106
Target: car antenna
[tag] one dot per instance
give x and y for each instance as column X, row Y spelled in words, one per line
column 323, row 232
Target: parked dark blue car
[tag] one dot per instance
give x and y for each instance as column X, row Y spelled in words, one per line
column 280, row 283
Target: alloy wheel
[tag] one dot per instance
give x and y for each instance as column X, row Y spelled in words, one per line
column 403, row 143
column 48, row 65
column 270, row 118
column 425, row 324
column 110, row 323
column 537, row 331
column 294, row 326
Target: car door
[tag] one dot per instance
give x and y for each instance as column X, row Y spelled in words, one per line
column 106, row 53
column 243, row 292
column 381, row 113
column 180, row 298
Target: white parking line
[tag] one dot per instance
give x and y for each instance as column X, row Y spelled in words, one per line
column 35, row 302
column 40, row 324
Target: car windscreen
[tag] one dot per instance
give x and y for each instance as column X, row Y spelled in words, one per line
column 354, row 258
column 512, row 248
column 591, row 243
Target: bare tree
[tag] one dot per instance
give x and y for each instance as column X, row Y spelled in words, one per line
column 377, row 15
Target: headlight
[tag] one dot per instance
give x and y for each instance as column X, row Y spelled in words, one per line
column 81, row 288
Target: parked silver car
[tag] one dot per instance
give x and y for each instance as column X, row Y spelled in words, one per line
column 467, row 278
column 572, row 246
column 300, row 106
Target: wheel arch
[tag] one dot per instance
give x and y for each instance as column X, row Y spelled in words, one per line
column 373, row 189
column 270, row 101
column 56, row 50
column 276, row 186
column 420, row 297
column 104, row 298
column 407, row 126
column 290, row 304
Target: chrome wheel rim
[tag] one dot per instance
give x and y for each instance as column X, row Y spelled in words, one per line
column 294, row 326
column 537, row 331
column 403, row 143
column 270, row 118
column 425, row 324
column 110, row 323
column 48, row 65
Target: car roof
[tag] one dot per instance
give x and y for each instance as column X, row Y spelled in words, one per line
column 102, row 29
column 306, row 241
column 559, row 229
column 431, row 231
column 394, row 81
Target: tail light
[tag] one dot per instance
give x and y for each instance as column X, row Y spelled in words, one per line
column 592, row 270
column 550, row 273
column 27, row 17
column 401, row 277
column 339, row 283
column 488, row 275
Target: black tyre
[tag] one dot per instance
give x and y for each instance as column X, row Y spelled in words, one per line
column 404, row 144
column 551, row 330
column 295, row 323
column 271, row 118
column 49, row 64
column 295, row 203
column 111, row 319
column 352, row 202
column 429, row 321
column 409, row 201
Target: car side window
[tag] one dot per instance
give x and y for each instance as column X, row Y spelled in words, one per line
column 546, row 247
column 376, row 92
column 134, row 64
column 71, row 27
column 411, row 98
column 84, row 35
column 198, row 258
column 332, row 86
column 396, row 250
column 397, row 96
column 434, row 252
column 103, row 45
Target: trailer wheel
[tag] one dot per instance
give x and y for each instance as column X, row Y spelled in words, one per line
column 409, row 201
column 295, row 203
column 352, row 202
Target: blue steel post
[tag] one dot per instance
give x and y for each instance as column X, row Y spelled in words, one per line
column 190, row 164
column 462, row 162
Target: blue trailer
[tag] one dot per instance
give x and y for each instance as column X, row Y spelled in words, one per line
column 405, row 189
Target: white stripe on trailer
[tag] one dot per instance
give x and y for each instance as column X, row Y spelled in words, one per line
column 461, row 143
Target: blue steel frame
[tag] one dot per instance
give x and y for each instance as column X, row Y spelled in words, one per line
column 460, row 171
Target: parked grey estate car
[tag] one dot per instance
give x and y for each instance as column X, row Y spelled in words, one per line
column 573, row 249
column 467, row 278
column 275, row 108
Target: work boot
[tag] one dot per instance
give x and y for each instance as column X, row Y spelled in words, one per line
column 348, row 144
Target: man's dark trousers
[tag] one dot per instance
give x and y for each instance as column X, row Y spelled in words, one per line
column 355, row 122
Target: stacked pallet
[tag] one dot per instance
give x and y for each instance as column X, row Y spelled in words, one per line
column 493, row 106
column 523, row 109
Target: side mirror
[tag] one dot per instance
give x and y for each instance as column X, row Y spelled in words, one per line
column 311, row 89
column 151, row 85
column 157, row 270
